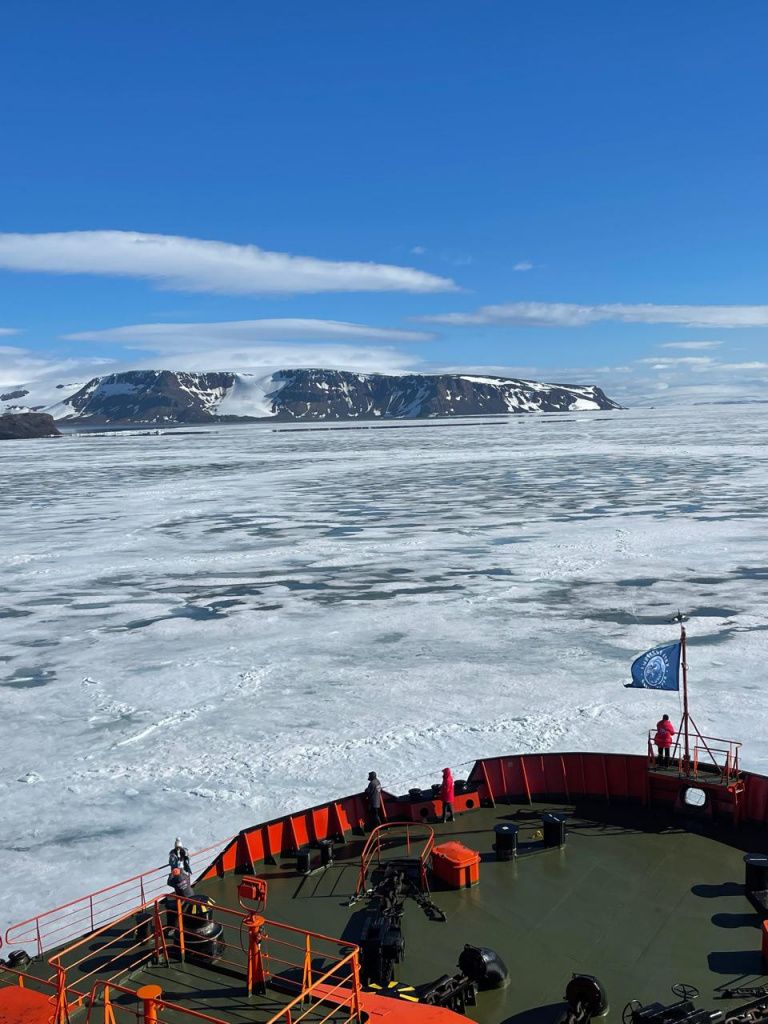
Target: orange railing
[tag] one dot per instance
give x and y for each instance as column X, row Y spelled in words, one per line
column 24, row 980
column 102, row 1010
column 337, row 988
column 706, row 753
column 261, row 952
column 392, row 834
column 708, row 756
column 87, row 913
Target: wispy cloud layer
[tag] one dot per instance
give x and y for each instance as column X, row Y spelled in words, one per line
column 691, row 345
column 360, row 358
column 6, row 331
column 192, row 264
column 22, row 366
column 162, row 337
column 568, row 314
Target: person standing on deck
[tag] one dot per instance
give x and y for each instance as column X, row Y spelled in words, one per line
column 373, row 799
column 663, row 740
column 178, row 857
column 446, row 795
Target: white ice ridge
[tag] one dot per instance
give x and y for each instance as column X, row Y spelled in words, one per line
column 206, row 629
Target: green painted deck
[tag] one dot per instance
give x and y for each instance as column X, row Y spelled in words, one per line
column 635, row 899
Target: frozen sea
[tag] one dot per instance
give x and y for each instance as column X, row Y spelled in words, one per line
column 204, row 629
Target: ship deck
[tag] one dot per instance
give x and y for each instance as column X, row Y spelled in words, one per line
column 635, row 899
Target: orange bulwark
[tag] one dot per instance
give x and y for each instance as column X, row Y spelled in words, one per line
column 456, row 865
column 23, row 1006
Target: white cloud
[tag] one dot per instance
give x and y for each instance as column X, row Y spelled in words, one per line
column 523, row 265
column 568, row 314
column 691, row 345
column 20, row 366
column 163, row 337
column 6, row 331
column 192, row 264
column 418, row 250
column 663, row 362
column 360, row 358
column 44, row 371
column 702, row 363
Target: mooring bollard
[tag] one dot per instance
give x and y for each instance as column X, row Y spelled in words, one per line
column 149, row 994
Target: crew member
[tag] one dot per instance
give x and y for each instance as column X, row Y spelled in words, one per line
column 373, row 799
column 181, row 883
column 446, row 794
column 178, row 857
column 663, row 740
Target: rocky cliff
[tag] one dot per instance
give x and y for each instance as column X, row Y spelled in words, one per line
column 20, row 426
column 166, row 396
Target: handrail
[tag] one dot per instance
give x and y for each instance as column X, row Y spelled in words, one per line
column 352, row 999
column 109, row 986
column 86, row 913
column 374, row 840
column 24, row 980
column 120, row 947
column 691, row 769
column 351, row 958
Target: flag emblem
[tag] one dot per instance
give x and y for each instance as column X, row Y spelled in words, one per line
column 657, row 669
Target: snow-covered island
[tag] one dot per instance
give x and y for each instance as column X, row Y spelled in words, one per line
column 167, row 396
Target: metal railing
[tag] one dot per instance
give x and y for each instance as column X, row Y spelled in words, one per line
column 265, row 954
column 339, row 992
column 64, row 923
column 387, row 836
column 708, row 756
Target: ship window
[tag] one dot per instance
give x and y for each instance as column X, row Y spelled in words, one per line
column 694, row 797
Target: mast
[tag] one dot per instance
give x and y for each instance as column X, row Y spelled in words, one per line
column 685, row 724
column 685, row 691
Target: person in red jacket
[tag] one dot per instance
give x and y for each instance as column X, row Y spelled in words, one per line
column 446, row 795
column 663, row 740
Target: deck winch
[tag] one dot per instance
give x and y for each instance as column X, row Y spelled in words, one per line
column 382, row 944
column 480, row 969
column 684, row 1010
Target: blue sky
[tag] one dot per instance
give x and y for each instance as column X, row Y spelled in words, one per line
column 533, row 188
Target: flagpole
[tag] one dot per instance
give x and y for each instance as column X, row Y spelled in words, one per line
column 685, row 694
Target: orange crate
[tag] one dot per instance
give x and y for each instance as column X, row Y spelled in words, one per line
column 456, row 865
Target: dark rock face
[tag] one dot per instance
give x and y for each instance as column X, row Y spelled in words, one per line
column 162, row 396
column 23, row 425
column 339, row 395
column 10, row 395
column 151, row 396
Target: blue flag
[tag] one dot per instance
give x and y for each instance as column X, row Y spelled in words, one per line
column 658, row 669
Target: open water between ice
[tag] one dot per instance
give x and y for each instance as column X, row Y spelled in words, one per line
column 203, row 630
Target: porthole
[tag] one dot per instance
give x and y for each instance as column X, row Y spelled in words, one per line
column 694, row 797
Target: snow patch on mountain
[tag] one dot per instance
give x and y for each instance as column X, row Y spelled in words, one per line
column 250, row 396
